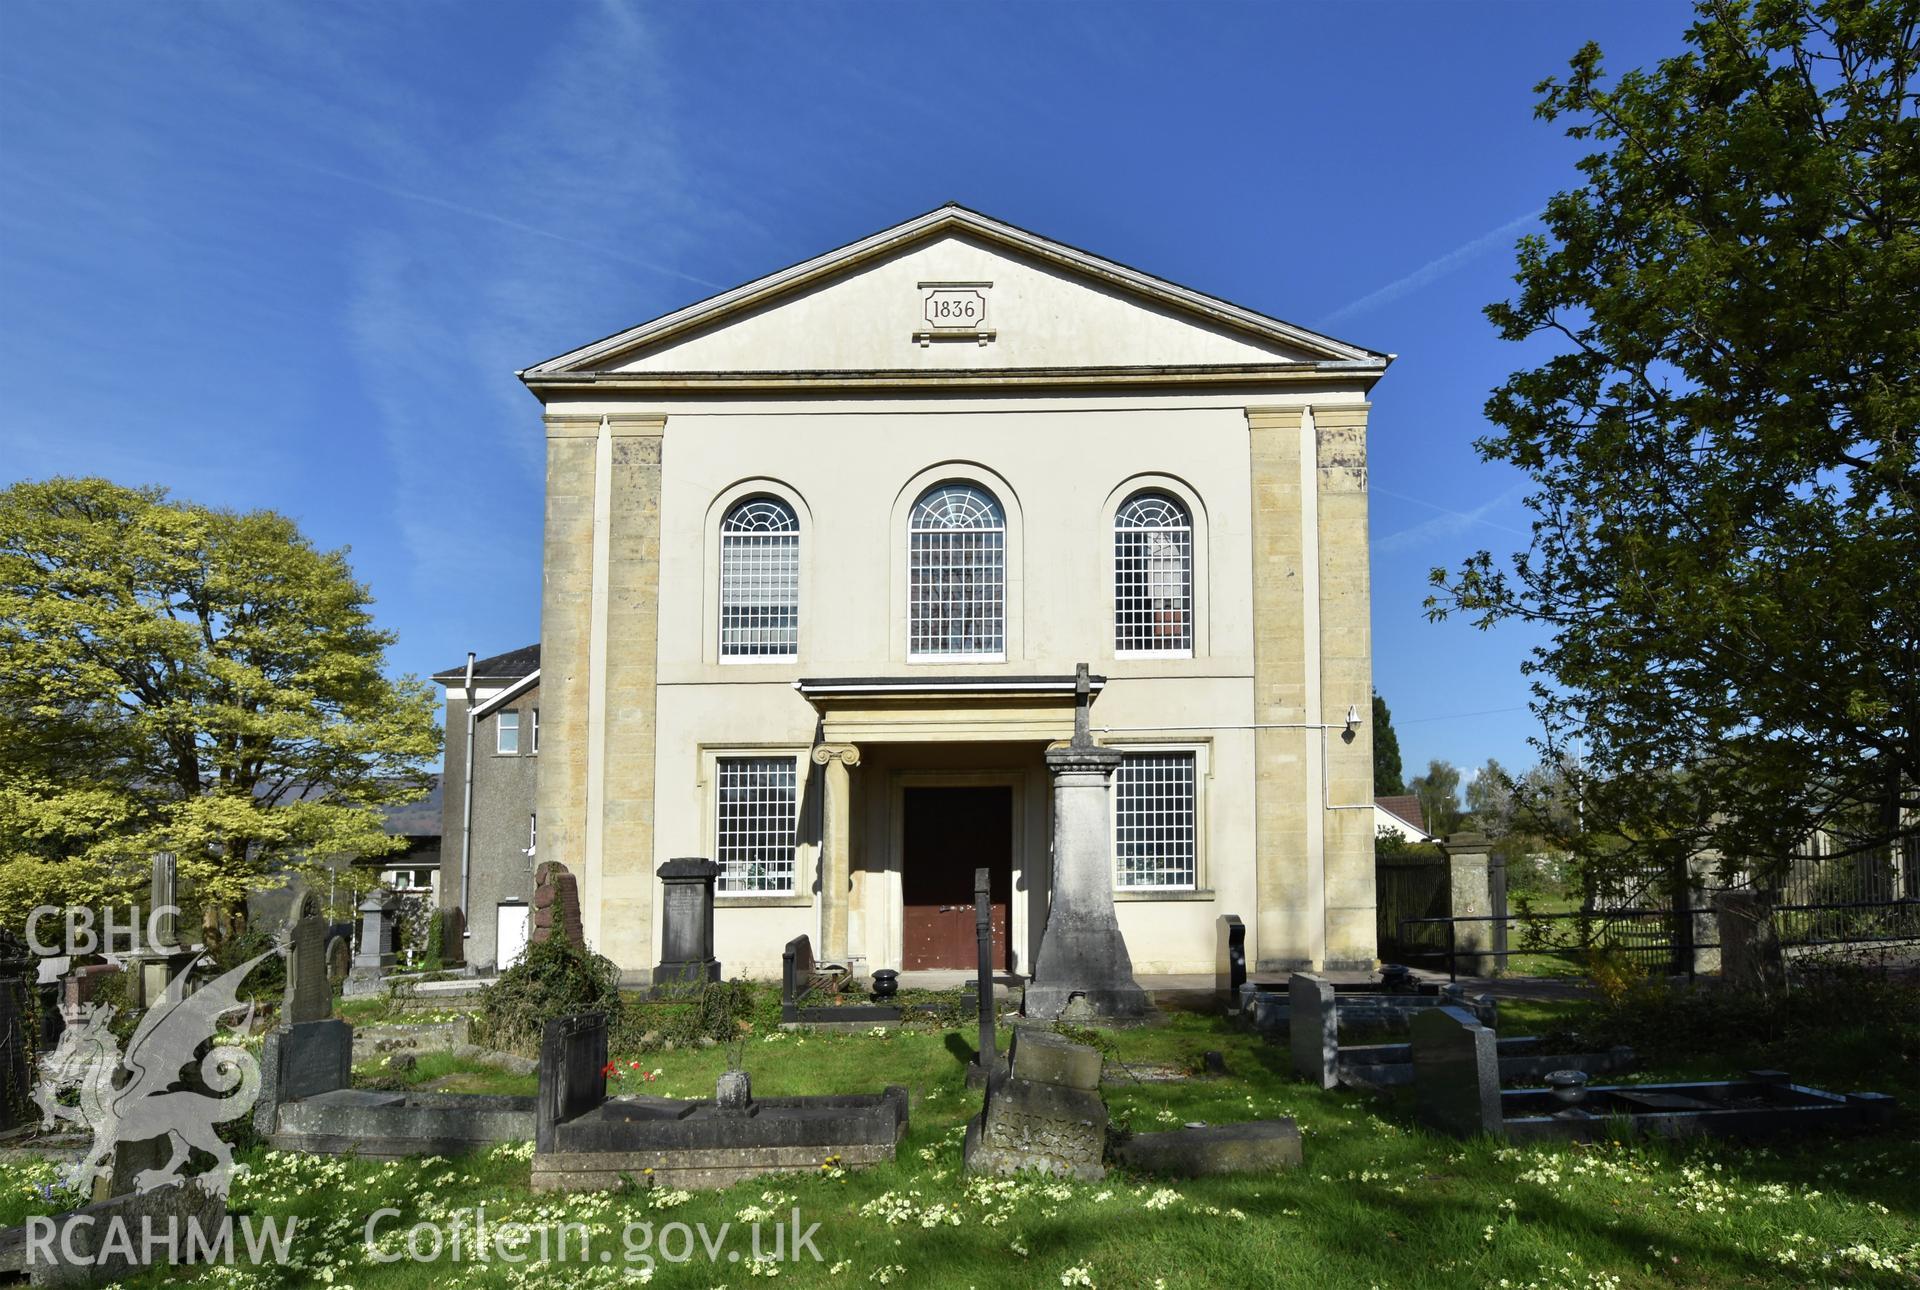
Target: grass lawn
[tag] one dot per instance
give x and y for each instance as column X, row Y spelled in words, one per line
column 1379, row 1203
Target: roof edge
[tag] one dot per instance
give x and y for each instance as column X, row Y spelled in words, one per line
column 782, row 281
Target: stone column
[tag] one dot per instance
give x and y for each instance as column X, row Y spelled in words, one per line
column 157, row 963
column 836, row 847
column 1083, row 968
column 1472, row 896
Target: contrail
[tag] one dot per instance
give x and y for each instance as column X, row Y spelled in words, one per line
column 1434, row 269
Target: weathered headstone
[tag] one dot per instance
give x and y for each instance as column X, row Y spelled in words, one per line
column 376, row 957
column 1470, row 876
column 1045, row 1114
column 79, row 986
column 303, row 1059
column 1083, row 969
column 1229, row 962
column 453, row 936
column 1314, row 1026
column 19, row 1028
column 1456, row 1073
column 573, row 1073
column 339, row 960
column 556, row 905
column 986, row 1055
column 1751, row 959
column 686, row 922
column 309, row 997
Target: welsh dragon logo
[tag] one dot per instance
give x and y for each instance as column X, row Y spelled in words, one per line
column 138, row 1096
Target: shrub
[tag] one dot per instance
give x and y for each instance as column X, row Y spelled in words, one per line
column 554, row 978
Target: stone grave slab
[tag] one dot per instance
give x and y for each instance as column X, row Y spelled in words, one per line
column 1255, row 1147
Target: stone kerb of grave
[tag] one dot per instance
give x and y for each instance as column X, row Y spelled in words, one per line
column 584, row 1141
column 1323, row 1061
column 1457, row 1090
column 307, row 1102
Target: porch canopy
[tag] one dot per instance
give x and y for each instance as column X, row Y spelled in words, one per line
column 930, row 709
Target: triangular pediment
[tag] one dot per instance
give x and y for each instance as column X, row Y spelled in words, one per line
column 954, row 289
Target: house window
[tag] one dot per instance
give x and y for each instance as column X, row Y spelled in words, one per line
column 760, row 582
column 506, row 733
column 754, row 826
column 957, row 575
column 1154, row 832
column 533, row 734
column 1152, row 577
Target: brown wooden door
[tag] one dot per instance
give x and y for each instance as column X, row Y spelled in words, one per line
column 947, row 834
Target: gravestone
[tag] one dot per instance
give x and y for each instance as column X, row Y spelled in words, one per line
column 1456, row 1073
column 1314, row 1026
column 19, row 1028
column 309, row 996
column 1751, row 960
column 573, row 1074
column 1045, row 1115
column 339, row 960
column 79, row 986
column 686, row 922
column 453, row 937
column 309, row 1053
column 1229, row 962
column 1083, row 970
column 986, row 1056
column 376, row 956
column 556, row 905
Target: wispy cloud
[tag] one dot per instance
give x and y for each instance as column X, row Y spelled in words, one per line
column 1434, row 269
column 1447, row 523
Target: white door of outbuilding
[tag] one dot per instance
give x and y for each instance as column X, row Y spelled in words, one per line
column 509, row 933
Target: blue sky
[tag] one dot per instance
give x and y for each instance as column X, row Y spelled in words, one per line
column 291, row 255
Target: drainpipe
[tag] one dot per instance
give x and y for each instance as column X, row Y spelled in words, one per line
column 466, row 809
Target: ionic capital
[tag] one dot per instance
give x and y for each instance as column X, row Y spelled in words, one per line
column 847, row 755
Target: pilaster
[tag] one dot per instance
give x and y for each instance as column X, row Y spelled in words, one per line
column 1288, row 925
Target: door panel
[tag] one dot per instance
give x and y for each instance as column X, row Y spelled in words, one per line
column 947, row 833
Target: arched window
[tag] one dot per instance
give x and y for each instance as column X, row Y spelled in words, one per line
column 1152, row 576
column 956, row 574
column 760, row 581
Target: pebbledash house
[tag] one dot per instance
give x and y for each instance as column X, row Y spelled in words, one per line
column 823, row 554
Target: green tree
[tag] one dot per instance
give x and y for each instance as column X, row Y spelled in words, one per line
column 1386, row 751
column 1722, row 436
column 1439, row 794
column 174, row 677
column 1490, row 799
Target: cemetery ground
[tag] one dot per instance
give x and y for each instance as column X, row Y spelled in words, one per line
column 1379, row 1201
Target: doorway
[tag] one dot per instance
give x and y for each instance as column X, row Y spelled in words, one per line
column 947, row 833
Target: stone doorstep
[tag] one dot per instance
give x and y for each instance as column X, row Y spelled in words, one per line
column 1257, row 1146
column 694, row 1169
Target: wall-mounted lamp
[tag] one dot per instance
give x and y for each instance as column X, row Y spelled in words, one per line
column 1353, row 718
